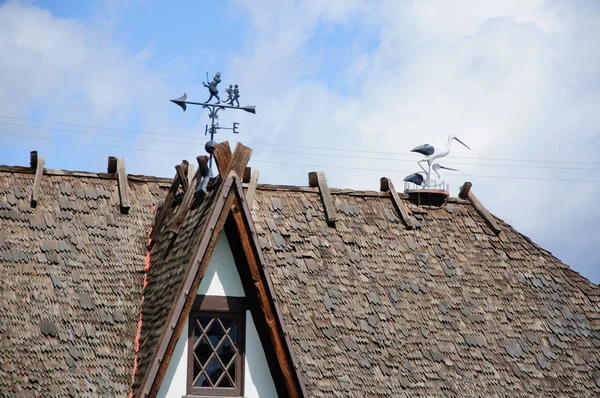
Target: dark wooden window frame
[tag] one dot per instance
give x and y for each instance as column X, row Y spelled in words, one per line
column 215, row 306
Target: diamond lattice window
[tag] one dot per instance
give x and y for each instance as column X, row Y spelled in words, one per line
column 216, row 353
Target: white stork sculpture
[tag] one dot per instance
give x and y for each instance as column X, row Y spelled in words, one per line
column 434, row 152
column 418, row 179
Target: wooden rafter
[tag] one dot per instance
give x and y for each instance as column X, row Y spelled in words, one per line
column 317, row 179
column 466, row 193
column 38, row 161
column 387, row 185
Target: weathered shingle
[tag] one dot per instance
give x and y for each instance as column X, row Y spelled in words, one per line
column 446, row 310
column 54, row 290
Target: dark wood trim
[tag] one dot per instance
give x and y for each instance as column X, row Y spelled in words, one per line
column 264, row 292
column 111, row 168
column 186, row 202
column 220, row 303
column 182, row 173
column 464, row 190
column 203, row 165
column 181, row 309
column 240, row 316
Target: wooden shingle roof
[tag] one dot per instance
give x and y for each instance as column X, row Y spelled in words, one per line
column 449, row 309
column 71, row 278
column 370, row 305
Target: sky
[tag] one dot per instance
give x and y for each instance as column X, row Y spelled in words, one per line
column 347, row 87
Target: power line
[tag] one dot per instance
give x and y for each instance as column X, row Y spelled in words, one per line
column 289, row 164
column 290, row 145
column 298, row 152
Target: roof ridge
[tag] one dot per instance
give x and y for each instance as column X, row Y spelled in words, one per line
column 83, row 174
column 340, row 191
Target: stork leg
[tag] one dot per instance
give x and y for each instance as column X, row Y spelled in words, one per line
column 424, row 171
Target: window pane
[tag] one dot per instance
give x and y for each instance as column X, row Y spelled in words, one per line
column 225, row 382
column 214, row 370
column 226, row 352
column 233, row 334
column 203, row 351
column 202, row 381
column 215, row 333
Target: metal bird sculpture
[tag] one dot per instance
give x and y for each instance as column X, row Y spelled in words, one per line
column 434, row 152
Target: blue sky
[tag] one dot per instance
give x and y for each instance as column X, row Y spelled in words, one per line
column 343, row 86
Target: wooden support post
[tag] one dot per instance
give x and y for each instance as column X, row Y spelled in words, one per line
column 466, row 193
column 252, row 188
column 387, row 185
column 203, row 165
column 123, row 186
column 190, row 176
column 164, row 210
column 182, row 171
column 33, row 159
column 112, row 165
column 464, row 190
column 321, row 182
column 37, row 182
column 247, row 174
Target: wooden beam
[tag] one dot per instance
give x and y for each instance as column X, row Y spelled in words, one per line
column 33, row 159
column 203, row 165
column 222, row 154
column 330, row 213
column 267, row 306
column 464, row 190
column 37, row 182
column 125, row 205
column 112, row 165
column 164, row 210
column 312, row 179
column 190, row 176
column 483, row 212
column 406, row 219
column 252, row 188
column 239, row 160
column 181, row 172
column 247, row 174
column 186, row 202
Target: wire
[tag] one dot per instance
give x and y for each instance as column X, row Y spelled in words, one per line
column 289, row 164
column 298, row 152
column 293, row 146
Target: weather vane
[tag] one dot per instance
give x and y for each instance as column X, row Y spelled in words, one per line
column 233, row 96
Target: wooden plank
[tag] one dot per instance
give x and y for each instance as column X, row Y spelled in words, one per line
column 39, row 171
column 222, row 154
column 400, row 206
column 203, row 165
column 125, row 205
column 239, row 160
column 33, row 159
column 164, row 210
column 330, row 213
column 181, row 172
column 112, row 165
column 464, row 190
column 190, row 176
column 484, row 213
column 252, row 188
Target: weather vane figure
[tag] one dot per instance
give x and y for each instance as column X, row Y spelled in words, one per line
column 212, row 87
column 233, row 95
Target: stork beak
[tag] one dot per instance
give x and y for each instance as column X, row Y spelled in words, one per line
column 447, row 168
column 180, row 101
column 462, row 143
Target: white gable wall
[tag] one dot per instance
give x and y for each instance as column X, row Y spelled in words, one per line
column 222, row 279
